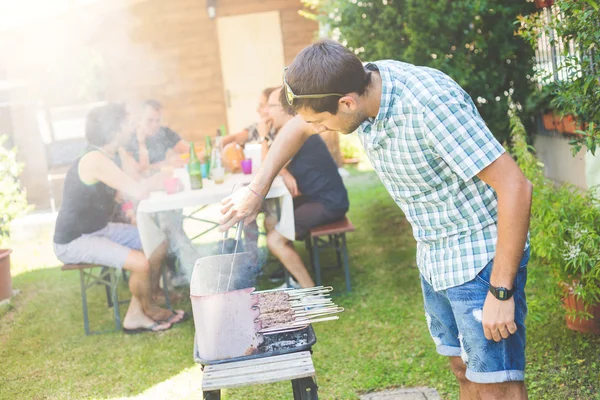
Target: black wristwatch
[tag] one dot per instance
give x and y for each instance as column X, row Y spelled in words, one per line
column 501, row 293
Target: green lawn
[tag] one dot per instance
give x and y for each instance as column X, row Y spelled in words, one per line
column 381, row 341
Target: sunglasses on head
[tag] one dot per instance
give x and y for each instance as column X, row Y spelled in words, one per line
column 291, row 96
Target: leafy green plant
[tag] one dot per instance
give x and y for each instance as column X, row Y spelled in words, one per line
column 565, row 226
column 13, row 201
column 472, row 41
column 350, row 147
column 579, row 93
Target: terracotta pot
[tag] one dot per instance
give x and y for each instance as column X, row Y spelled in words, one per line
column 549, row 121
column 592, row 325
column 543, row 3
column 5, row 279
column 571, row 125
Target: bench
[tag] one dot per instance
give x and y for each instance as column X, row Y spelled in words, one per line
column 330, row 236
column 89, row 277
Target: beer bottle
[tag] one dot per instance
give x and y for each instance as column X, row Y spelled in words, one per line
column 194, row 169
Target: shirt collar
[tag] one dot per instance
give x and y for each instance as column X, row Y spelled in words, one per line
column 387, row 91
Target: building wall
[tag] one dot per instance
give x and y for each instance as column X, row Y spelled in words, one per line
column 166, row 50
column 559, row 164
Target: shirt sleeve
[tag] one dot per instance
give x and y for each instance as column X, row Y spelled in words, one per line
column 171, row 138
column 455, row 131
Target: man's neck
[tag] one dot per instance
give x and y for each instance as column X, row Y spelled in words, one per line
column 374, row 95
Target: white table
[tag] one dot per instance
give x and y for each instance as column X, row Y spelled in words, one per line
column 211, row 193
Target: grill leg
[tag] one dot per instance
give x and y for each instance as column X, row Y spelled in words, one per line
column 305, row 389
column 86, row 321
column 316, row 263
column 212, row 395
column 346, row 264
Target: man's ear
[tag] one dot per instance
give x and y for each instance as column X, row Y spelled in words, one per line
column 347, row 103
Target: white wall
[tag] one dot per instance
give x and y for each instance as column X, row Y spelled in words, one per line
column 559, row 163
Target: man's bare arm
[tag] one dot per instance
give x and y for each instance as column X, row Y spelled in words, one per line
column 245, row 203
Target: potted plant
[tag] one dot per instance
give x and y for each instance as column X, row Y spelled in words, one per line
column 571, row 125
column 565, row 228
column 539, row 103
column 13, row 203
column 543, row 3
column 565, row 234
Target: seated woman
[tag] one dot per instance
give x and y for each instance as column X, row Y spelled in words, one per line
column 320, row 196
column 257, row 132
column 84, row 233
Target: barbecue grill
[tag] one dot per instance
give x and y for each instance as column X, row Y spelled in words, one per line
column 235, row 323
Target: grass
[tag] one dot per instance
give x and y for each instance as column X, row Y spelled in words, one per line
column 381, row 341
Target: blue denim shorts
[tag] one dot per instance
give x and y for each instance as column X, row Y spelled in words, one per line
column 454, row 319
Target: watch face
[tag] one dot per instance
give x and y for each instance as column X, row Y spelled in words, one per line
column 501, row 293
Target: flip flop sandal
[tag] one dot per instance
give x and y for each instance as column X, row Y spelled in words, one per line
column 184, row 317
column 143, row 330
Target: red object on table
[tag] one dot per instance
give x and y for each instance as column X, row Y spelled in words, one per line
column 172, row 185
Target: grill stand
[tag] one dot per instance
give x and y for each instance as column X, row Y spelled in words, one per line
column 297, row 367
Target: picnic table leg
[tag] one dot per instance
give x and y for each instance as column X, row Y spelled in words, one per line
column 305, row 389
column 212, row 395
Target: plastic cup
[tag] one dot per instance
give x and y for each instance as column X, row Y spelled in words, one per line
column 218, row 175
column 247, row 166
column 172, row 185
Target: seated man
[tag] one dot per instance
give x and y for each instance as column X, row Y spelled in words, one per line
column 152, row 146
column 84, row 233
column 320, row 196
column 149, row 149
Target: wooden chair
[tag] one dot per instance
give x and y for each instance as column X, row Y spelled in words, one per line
column 89, row 277
column 330, row 236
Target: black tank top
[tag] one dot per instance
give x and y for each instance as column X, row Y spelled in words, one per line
column 85, row 208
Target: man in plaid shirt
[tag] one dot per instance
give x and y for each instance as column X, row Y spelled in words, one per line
column 466, row 199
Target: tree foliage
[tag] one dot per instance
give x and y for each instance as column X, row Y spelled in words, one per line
column 472, row 41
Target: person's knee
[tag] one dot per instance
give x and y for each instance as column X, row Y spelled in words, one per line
column 459, row 369
column 275, row 240
column 137, row 262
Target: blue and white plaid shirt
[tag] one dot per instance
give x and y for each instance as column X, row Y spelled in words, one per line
column 427, row 144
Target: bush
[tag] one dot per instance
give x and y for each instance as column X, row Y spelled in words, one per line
column 565, row 226
column 13, row 201
column 579, row 93
column 350, row 147
column 472, row 41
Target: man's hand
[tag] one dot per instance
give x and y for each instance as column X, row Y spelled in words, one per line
column 243, row 204
column 264, row 127
column 498, row 318
column 290, row 183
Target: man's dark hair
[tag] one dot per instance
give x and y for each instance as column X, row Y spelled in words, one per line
column 324, row 67
column 153, row 104
column 104, row 123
